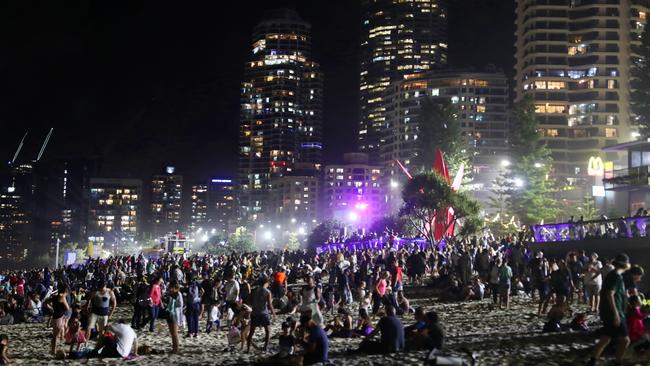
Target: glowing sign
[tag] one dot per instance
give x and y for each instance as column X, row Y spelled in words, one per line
column 598, row 191
column 221, row 180
column 595, row 166
column 170, row 170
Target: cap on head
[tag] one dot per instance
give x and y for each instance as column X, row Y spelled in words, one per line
column 622, row 261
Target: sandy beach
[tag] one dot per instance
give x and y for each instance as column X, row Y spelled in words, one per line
column 494, row 337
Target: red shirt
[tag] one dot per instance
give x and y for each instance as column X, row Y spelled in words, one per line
column 635, row 325
column 155, row 294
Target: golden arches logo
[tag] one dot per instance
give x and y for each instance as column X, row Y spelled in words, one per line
column 596, row 166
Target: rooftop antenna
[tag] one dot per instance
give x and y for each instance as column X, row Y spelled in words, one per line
column 47, row 139
column 20, row 146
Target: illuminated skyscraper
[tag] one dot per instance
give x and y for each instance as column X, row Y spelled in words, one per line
column 281, row 108
column 166, row 193
column 222, row 205
column 114, row 210
column 574, row 58
column 399, row 38
column 353, row 191
column 199, row 207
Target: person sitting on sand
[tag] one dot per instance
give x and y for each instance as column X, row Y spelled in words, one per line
column 315, row 342
column 403, row 303
column 392, row 335
column 579, row 323
column 286, row 341
column 364, row 324
column 341, row 326
column 4, row 350
column 75, row 335
column 118, row 340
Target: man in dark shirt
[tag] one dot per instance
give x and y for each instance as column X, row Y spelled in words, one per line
column 392, row 335
column 612, row 311
column 316, row 344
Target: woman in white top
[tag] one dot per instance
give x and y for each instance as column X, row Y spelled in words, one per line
column 593, row 280
column 310, row 296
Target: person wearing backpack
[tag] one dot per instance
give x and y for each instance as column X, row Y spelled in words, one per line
column 505, row 281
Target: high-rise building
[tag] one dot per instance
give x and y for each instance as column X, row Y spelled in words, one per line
column 222, row 205
column 295, row 198
column 13, row 224
column 574, row 58
column 114, row 210
column 166, row 194
column 281, row 108
column 199, row 214
column 481, row 102
column 398, row 39
column 353, row 191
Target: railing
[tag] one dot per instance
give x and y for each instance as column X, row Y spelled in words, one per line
column 623, row 228
column 631, row 176
column 372, row 244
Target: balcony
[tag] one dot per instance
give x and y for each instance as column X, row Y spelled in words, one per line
column 628, row 178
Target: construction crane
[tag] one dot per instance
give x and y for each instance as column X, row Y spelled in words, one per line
column 47, row 139
column 20, row 146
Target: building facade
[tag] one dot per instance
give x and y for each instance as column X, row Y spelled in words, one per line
column 114, row 210
column 481, row 102
column 353, row 191
column 574, row 58
column 281, row 108
column 199, row 213
column 296, row 198
column 166, row 198
column 13, row 224
column 222, row 209
column 398, row 38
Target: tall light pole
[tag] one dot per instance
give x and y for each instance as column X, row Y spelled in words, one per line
column 58, row 242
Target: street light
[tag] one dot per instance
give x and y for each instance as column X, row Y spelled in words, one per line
column 394, row 184
column 505, row 163
column 353, row 216
column 268, row 235
column 293, row 220
column 538, row 165
column 301, row 231
column 519, row 182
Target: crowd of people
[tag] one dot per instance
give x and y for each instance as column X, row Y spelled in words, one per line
column 361, row 291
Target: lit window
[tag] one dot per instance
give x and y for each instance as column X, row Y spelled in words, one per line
column 611, row 132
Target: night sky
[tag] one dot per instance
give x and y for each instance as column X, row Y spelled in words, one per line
column 145, row 85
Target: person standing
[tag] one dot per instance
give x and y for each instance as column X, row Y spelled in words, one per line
column 194, row 294
column 593, row 280
column 262, row 303
column 505, row 282
column 173, row 301
column 59, row 308
column 612, row 311
column 102, row 306
column 155, row 297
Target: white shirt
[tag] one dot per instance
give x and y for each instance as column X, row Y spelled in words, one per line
column 232, row 290
column 125, row 336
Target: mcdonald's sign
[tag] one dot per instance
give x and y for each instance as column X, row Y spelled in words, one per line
column 596, row 166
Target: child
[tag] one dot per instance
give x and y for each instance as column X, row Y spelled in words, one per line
column 287, row 341
column 639, row 339
column 214, row 318
column 74, row 335
column 243, row 319
column 4, row 347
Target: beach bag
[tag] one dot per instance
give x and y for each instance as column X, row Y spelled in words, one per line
column 234, row 335
column 438, row 359
column 214, row 313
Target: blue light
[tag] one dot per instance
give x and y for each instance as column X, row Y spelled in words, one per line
column 312, row 145
column 221, row 180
